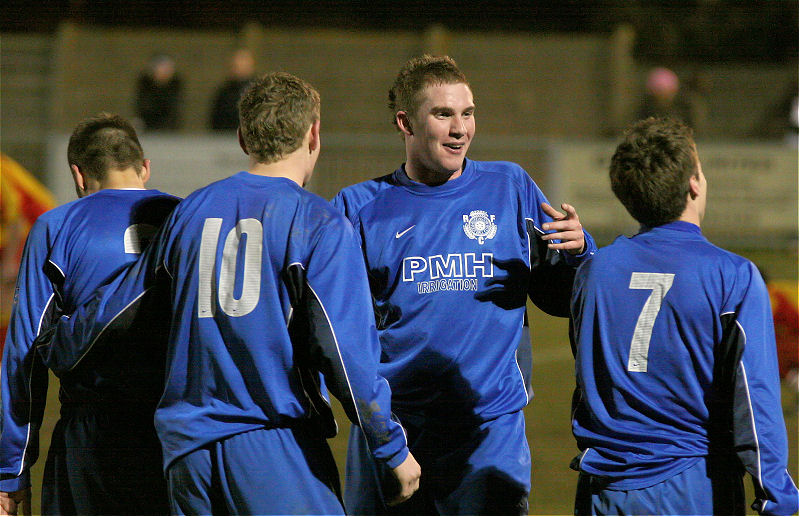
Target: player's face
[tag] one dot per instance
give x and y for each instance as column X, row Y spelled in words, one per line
column 441, row 131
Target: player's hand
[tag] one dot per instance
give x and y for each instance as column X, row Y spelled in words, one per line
column 407, row 475
column 567, row 228
column 16, row 503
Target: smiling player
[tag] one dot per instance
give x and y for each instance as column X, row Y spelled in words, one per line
column 452, row 248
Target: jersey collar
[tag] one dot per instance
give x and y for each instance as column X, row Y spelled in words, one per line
column 420, row 188
column 681, row 226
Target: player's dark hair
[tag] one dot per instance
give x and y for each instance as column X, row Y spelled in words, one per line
column 650, row 170
column 275, row 113
column 416, row 75
column 102, row 143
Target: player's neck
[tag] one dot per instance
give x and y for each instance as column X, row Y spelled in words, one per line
column 690, row 216
column 429, row 177
column 118, row 179
column 292, row 167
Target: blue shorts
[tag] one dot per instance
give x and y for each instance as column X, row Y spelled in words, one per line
column 104, row 462
column 281, row 471
column 477, row 470
column 698, row 490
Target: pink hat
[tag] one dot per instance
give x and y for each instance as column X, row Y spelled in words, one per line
column 662, row 81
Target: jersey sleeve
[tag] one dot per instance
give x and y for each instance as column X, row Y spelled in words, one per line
column 121, row 306
column 759, row 432
column 23, row 376
column 552, row 271
column 344, row 342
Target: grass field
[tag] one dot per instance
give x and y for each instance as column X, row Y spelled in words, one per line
column 548, row 415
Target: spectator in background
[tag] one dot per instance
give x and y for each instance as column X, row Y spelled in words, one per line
column 662, row 99
column 696, row 93
column 779, row 120
column 225, row 110
column 159, row 95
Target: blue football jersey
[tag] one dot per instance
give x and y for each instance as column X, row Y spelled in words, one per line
column 70, row 251
column 350, row 200
column 450, row 267
column 266, row 288
column 676, row 361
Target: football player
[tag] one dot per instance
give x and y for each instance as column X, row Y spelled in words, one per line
column 677, row 375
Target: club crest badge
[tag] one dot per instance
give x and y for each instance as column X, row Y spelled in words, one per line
column 479, row 225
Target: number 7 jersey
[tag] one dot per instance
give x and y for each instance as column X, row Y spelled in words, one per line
column 676, row 361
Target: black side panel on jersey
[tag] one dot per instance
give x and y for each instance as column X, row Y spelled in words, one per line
column 725, row 469
column 727, row 354
column 550, row 283
column 308, row 334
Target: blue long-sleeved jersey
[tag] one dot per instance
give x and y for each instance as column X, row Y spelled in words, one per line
column 450, row 267
column 70, row 251
column 266, row 288
column 676, row 361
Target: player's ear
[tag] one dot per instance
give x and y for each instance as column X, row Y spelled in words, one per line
column 241, row 141
column 694, row 186
column 77, row 177
column 145, row 174
column 404, row 122
column 313, row 139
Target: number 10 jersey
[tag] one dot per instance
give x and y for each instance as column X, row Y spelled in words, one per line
column 266, row 287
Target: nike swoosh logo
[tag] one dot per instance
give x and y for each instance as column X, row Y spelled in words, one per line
column 400, row 234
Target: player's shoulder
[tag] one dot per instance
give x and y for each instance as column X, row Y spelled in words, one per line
column 211, row 189
column 504, row 174
column 320, row 213
column 503, row 169
column 56, row 217
column 351, row 199
column 498, row 166
column 709, row 255
column 368, row 188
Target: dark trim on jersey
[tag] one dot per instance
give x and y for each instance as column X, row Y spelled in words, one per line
column 724, row 468
column 727, row 354
column 740, row 435
column 313, row 341
column 551, row 278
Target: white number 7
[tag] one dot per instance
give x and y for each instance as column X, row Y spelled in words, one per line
column 659, row 283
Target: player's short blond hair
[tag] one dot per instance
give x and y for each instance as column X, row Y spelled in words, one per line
column 416, row 75
column 275, row 113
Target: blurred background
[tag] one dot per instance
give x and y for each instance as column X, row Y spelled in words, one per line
column 555, row 82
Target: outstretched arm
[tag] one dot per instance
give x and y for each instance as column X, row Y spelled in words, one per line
column 336, row 311
column 114, row 307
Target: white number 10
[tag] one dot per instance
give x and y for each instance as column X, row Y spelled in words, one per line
column 251, row 281
column 659, row 283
